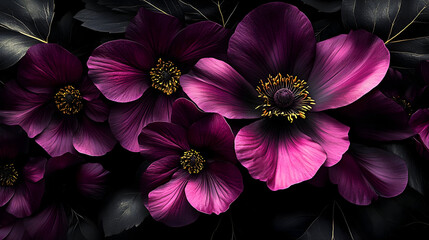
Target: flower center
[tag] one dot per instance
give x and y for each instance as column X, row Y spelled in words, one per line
column 68, row 100
column 8, row 175
column 192, row 161
column 284, row 96
column 404, row 104
column 165, row 77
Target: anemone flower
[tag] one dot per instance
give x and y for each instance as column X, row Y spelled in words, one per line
column 142, row 74
column 56, row 104
column 279, row 76
column 22, row 181
column 193, row 167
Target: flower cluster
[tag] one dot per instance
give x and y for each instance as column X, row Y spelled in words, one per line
column 204, row 106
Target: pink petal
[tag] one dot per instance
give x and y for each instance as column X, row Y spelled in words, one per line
column 185, row 113
column 34, row 170
column 346, row 68
column 215, row 188
column 6, row 193
column 49, row 224
column 168, row 203
column 159, row 172
column 91, row 180
column 278, row 153
column 420, row 123
column 27, row 199
column 97, row 110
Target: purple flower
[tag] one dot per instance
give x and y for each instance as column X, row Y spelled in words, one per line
column 279, row 76
column 142, row 74
column 21, row 178
column 420, row 119
column 56, row 105
column 193, row 169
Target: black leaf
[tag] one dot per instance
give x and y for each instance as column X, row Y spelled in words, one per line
column 23, row 23
column 81, row 228
column 327, row 6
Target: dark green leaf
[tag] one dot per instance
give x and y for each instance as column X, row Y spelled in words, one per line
column 23, row 23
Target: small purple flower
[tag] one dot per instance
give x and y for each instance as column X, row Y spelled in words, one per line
column 22, row 181
column 55, row 104
column 194, row 165
column 142, row 74
column 280, row 77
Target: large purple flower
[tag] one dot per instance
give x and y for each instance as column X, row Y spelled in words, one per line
column 55, row 104
column 279, row 76
column 142, row 74
column 22, row 181
column 193, row 169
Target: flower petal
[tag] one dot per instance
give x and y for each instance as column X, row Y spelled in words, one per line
column 420, row 122
column 97, row 110
column 49, row 224
column 61, row 162
column 27, row 199
column 213, row 135
column 283, row 43
column 127, row 120
column 158, row 173
column 346, row 68
column 119, row 69
column 88, row 90
column 57, row 138
column 162, row 139
column 91, row 180
column 31, row 111
column 185, row 113
column 34, row 170
column 330, row 134
column 47, row 67
column 365, row 173
column 216, row 87
column 153, row 30
column 92, row 138
column 198, row 40
column 6, row 193
column 278, row 153
column 168, row 203
column 214, row 189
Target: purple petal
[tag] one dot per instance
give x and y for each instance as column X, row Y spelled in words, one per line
column 213, row 190
column 198, row 40
column 34, row 170
column 214, row 136
column 159, row 172
column 6, row 193
column 13, row 142
column 57, row 138
column 17, row 232
column 168, row 203
column 278, row 153
column 92, row 138
column 346, row 68
column 153, row 30
column 50, row 224
column 365, row 173
column 377, row 117
column 27, row 199
column 4, row 231
column 185, row 113
column 127, row 120
column 216, row 87
column 420, row 123
column 283, row 43
column 97, row 110
column 330, row 134
column 47, row 67
column 91, row 180
column 118, row 69
column 161, row 139
column 31, row 111
column 64, row 161
column 88, row 90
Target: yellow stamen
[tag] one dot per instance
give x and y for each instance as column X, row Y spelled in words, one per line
column 165, row 77
column 192, row 161
column 68, row 100
column 8, row 175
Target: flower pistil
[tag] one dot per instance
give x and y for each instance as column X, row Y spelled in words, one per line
column 192, row 161
column 165, row 77
column 8, row 175
column 68, row 100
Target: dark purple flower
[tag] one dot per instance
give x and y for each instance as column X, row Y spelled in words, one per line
column 21, row 178
column 56, row 105
column 194, row 165
column 142, row 74
column 279, row 76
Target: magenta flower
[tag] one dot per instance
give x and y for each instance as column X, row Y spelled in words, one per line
column 194, row 166
column 22, row 181
column 279, row 76
column 142, row 74
column 55, row 104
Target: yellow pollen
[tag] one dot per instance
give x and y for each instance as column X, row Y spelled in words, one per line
column 404, row 104
column 68, row 100
column 297, row 98
column 8, row 175
column 192, row 161
column 165, row 77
